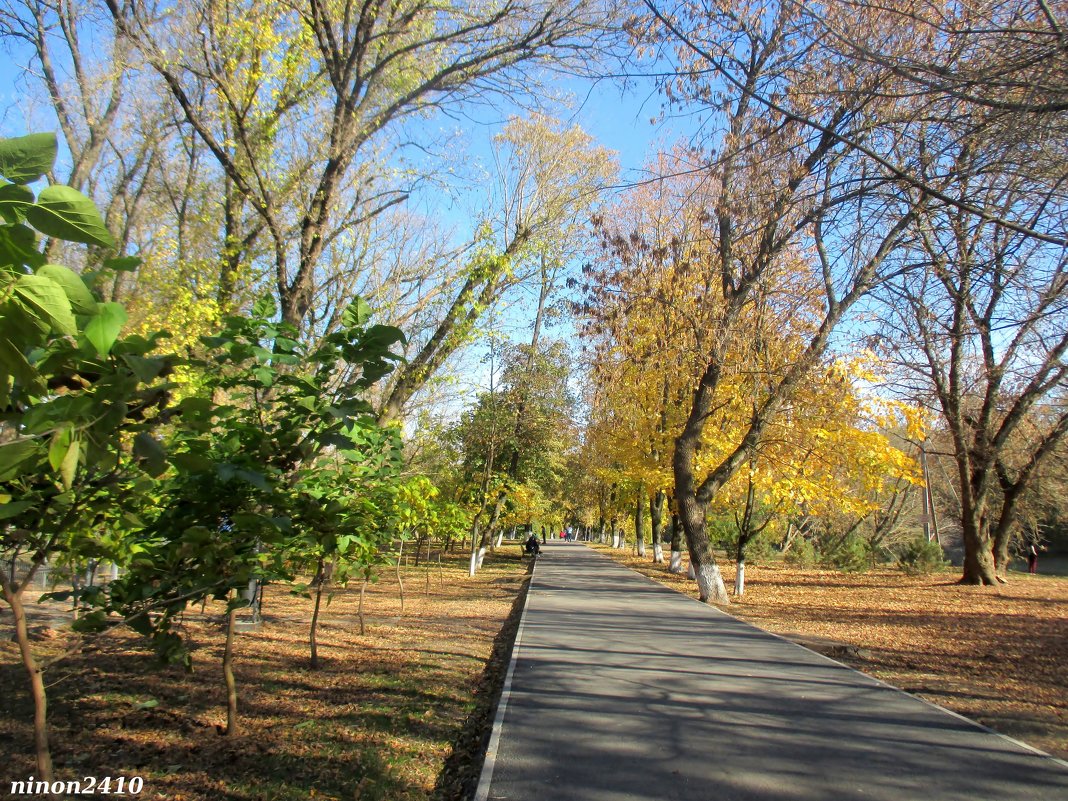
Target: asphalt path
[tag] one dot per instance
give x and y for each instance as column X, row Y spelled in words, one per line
column 622, row 689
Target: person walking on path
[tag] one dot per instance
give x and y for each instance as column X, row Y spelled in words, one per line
column 1032, row 558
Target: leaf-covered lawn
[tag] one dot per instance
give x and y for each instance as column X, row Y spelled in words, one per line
column 994, row 654
column 378, row 721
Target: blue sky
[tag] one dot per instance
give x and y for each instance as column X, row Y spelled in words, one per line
column 618, row 118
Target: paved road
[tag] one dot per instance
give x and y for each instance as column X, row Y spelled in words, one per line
column 624, row 689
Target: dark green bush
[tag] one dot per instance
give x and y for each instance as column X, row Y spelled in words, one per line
column 921, row 556
column 851, row 555
column 802, row 553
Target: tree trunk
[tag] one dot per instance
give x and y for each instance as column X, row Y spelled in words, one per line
column 639, row 522
column 400, row 580
column 320, row 579
column 472, row 566
column 233, row 728
column 359, row 609
column 483, row 546
column 709, row 580
column 37, row 686
column 739, row 570
column 656, row 517
column 978, row 559
column 676, row 545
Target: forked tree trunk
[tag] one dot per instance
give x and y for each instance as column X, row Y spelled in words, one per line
column 42, row 750
column 233, row 727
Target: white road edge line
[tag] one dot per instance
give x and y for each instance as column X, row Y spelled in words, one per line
column 486, row 778
column 973, row 723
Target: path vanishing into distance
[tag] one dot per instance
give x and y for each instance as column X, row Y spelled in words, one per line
column 621, row 688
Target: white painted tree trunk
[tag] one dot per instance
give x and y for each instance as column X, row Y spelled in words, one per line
column 692, row 573
column 500, row 539
column 739, row 579
column 658, row 554
column 641, row 547
column 676, row 562
column 615, row 539
column 481, row 557
column 710, row 584
column 475, row 562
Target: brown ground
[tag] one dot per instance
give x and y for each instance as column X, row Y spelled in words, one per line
column 378, row 721
column 996, row 655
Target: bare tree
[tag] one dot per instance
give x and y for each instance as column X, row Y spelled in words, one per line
column 983, row 333
column 298, row 104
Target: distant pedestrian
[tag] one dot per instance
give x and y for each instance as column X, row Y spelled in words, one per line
column 1032, row 558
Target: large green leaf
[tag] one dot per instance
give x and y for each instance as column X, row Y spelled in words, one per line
column 264, row 307
column 47, row 298
column 104, row 328
column 9, row 510
column 18, row 245
column 81, row 299
column 149, row 450
column 24, row 159
column 66, row 213
column 14, row 456
column 123, row 264
column 356, row 313
column 14, row 200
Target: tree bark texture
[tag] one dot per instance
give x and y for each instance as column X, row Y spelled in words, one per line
column 233, row 726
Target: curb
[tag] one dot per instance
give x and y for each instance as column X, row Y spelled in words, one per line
column 490, row 762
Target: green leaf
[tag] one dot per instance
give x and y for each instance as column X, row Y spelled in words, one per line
column 357, row 313
column 123, row 264
column 48, row 299
column 9, row 510
column 13, row 364
column 144, row 369
column 60, row 445
column 151, row 703
column 69, row 466
column 191, row 462
column 264, row 307
column 14, row 200
column 149, row 450
column 81, row 299
column 66, row 213
column 104, row 328
column 18, row 245
column 24, row 159
column 255, row 478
